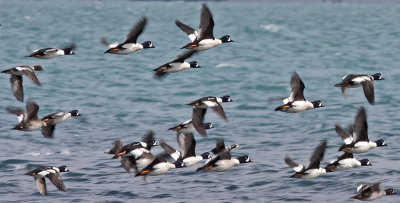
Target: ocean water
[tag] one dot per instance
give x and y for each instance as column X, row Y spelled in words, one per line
column 119, row 98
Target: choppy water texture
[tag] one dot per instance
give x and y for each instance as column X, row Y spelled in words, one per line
column 120, row 99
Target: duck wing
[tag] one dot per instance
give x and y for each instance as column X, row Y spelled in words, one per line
column 41, row 185
column 16, row 87
column 361, row 125
column 55, row 178
column 317, row 155
column 368, row 88
column 136, row 31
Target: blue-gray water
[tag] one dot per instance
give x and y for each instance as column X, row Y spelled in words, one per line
column 120, row 99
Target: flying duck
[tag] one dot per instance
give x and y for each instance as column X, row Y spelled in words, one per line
column 187, row 128
column 50, row 172
column 296, row 102
column 346, row 161
column 53, row 119
column 176, row 65
column 135, row 155
column 130, row 44
column 313, row 170
column 189, row 151
column 28, row 120
column 220, row 147
column 361, row 144
column 223, row 162
column 49, row 53
column 16, row 74
column 357, row 80
column 368, row 192
column 200, row 108
column 203, row 38
column 161, row 163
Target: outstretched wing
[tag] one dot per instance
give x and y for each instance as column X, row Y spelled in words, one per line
column 192, row 33
column 55, row 178
column 206, row 26
column 136, row 31
column 295, row 166
column 297, row 86
column 317, row 155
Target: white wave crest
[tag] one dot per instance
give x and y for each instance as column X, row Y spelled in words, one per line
column 271, row 27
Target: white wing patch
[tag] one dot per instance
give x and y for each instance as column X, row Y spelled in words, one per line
column 176, row 155
column 186, row 122
column 138, row 152
column 288, row 99
column 113, row 45
column 359, row 80
column 20, row 118
column 348, row 140
column 193, row 36
column 20, row 68
column 298, row 168
column 210, row 103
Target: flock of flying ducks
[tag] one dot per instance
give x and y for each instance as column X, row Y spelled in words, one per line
column 137, row 155
column 355, row 139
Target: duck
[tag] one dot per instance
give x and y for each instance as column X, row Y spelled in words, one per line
column 161, row 163
column 130, row 44
column 313, row 170
column 16, row 74
column 28, row 120
column 220, row 147
column 50, row 172
column 296, row 102
column 223, row 162
column 362, row 143
column 176, row 65
column 53, row 119
column 368, row 192
column 187, row 127
column 346, row 161
column 189, row 150
column 135, row 155
column 203, row 39
column 49, row 53
column 130, row 162
column 158, row 166
column 200, row 108
column 357, row 80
